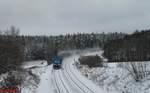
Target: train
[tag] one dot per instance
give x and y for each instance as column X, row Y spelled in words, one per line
column 57, row 62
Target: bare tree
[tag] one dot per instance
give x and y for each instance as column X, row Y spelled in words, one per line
column 13, row 31
column 138, row 70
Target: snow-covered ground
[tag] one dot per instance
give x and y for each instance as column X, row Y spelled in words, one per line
column 115, row 78
column 66, row 80
column 37, row 63
column 44, row 73
column 112, row 78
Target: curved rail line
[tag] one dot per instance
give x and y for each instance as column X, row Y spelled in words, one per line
column 56, row 83
column 71, row 80
column 63, row 83
column 80, row 80
column 74, row 81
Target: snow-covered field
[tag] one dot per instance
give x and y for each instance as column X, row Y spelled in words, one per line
column 115, row 78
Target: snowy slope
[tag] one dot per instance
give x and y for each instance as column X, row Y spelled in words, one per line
column 40, row 69
column 116, row 79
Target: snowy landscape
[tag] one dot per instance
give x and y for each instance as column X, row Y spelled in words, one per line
column 116, row 79
column 66, row 80
column 112, row 66
column 109, row 68
column 72, row 78
column 74, row 46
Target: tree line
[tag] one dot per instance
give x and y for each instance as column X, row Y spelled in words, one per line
column 133, row 47
column 15, row 48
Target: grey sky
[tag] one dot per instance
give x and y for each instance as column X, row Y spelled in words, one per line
column 53, row 17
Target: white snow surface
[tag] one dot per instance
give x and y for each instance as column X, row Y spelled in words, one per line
column 65, row 80
column 44, row 72
column 37, row 63
column 114, row 78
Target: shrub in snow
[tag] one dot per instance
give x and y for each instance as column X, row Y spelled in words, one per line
column 91, row 61
column 138, row 70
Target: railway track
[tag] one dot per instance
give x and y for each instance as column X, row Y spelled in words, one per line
column 56, row 84
column 73, row 82
column 67, row 91
column 60, row 85
column 74, row 79
column 79, row 79
column 69, row 79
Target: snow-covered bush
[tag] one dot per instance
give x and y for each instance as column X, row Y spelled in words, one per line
column 138, row 70
column 91, row 61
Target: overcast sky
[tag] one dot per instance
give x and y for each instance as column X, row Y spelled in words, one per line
column 54, row 17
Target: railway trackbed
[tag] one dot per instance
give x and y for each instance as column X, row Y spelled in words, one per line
column 67, row 82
